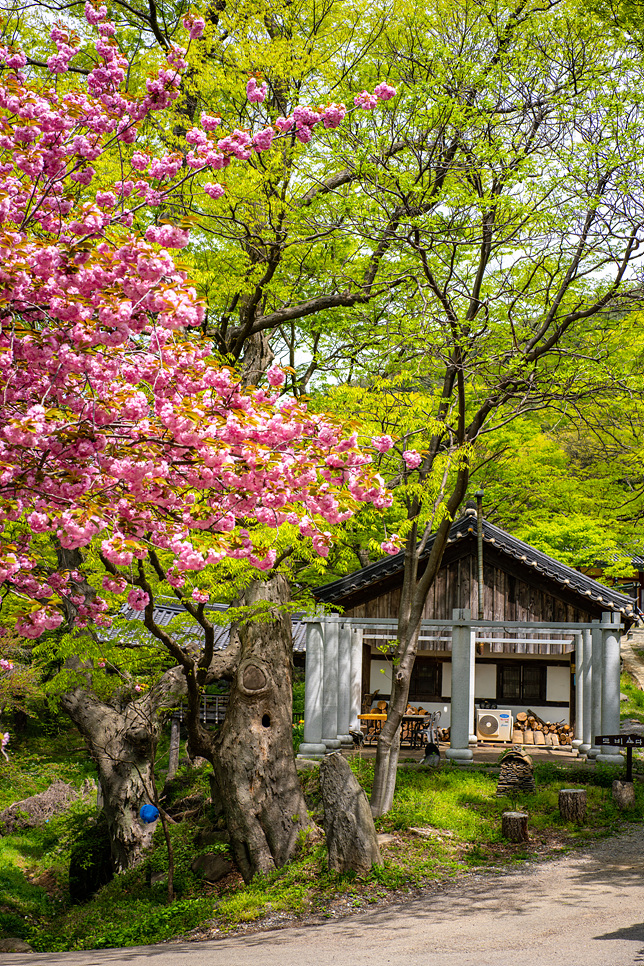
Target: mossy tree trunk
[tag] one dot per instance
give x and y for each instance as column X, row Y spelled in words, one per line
column 255, row 778
column 123, row 744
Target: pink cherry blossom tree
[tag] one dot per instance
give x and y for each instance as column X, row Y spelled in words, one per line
column 122, row 432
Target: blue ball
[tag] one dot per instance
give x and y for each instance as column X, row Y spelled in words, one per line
column 149, row 813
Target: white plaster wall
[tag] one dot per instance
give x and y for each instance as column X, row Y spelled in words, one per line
column 485, row 684
column 381, row 681
column 558, row 684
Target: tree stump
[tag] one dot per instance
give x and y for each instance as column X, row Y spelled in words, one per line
column 514, row 826
column 624, row 794
column 572, row 804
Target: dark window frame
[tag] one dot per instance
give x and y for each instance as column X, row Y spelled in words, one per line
column 426, row 680
column 515, row 686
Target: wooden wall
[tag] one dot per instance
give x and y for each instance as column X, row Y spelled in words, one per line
column 509, row 594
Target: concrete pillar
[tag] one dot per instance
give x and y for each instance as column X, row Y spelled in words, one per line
column 473, row 739
column 610, row 723
column 312, row 746
column 596, row 709
column 587, row 698
column 344, row 684
column 330, row 689
column 459, row 751
column 579, row 692
column 355, row 696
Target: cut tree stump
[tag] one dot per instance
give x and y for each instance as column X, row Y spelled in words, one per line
column 624, row 794
column 572, row 804
column 514, row 826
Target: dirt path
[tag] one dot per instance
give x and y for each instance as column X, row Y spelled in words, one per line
column 583, row 910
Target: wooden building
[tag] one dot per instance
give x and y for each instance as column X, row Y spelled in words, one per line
column 519, row 584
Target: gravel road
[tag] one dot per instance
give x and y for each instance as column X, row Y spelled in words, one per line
column 586, row 909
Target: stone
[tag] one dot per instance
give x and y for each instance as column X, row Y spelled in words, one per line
column 213, row 866
column 624, row 794
column 386, row 838
column 11, row 945
column 212, row 836
column 306, row 764
column 351, row 837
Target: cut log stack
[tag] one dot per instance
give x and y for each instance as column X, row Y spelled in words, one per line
column 530, row 729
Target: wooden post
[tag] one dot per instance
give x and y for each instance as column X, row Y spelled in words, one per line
column 572, row 804
column 514, row 826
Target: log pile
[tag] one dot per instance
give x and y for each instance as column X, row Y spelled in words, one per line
column 516, row 774
column 530, row 729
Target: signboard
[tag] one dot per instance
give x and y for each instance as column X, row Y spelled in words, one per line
column 620, row 741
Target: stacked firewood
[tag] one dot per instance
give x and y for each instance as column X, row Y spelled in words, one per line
column 530, row 729
column 516, row 775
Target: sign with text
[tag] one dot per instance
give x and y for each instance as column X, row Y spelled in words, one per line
column 620, row 741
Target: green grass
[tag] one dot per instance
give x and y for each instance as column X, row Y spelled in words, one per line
column 634, row 706
column 457, row 808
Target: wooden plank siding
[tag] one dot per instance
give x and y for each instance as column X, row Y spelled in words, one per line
column 511, row 593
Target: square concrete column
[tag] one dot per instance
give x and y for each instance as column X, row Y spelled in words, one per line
column 473, row 739
column 610, row 686
column 312, row 745
column 587, row 733
column 330, row 689
column 357, row 635
column 596, row 709
column 459, row 751
column 344, row 684
column 579, row 692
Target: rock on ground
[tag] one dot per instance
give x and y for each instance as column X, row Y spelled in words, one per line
column 351, row 836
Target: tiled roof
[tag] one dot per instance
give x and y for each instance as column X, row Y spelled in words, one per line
column 465, row 528
column 166, row 610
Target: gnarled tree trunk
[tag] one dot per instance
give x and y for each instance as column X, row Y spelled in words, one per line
column 253, row 760
column 123, row 744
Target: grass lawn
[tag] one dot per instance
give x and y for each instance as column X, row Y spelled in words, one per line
column 456, row 811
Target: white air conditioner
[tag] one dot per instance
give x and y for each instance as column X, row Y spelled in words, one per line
column 494, row 725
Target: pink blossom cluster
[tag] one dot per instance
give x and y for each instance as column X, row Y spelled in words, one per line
column 255, row 94
column 115, row 427
column 412, row 458
column 367, row 101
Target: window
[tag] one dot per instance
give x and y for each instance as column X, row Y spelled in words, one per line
column 426, row 680
column 521, row 683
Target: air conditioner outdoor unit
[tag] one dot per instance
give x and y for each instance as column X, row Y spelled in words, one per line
column 494, row 725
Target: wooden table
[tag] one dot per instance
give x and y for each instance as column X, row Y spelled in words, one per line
column 412, row 728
